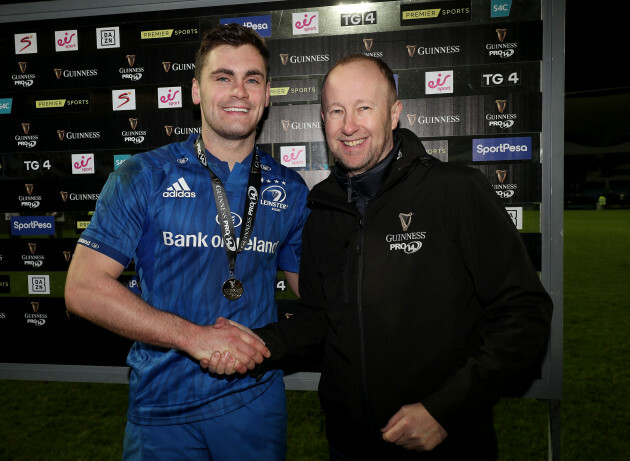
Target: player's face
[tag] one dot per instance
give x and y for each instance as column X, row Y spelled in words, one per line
column 232, row 92
column 358, row 115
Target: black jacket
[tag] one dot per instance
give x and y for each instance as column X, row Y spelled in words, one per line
column 429, row 297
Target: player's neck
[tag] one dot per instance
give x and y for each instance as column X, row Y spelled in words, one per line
column 231, row 151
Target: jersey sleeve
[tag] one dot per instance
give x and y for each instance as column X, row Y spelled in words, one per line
column 290, row 251
column 116, row 226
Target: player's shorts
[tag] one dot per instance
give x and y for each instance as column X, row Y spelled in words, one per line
column 256, row 431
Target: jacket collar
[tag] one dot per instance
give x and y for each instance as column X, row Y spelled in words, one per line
column 330, row 191
column 366, row 185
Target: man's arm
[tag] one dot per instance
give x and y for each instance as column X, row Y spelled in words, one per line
column 293, row 281
column 517, row 310
column 92, row 291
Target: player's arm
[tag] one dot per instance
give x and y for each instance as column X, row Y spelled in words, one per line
column 293, row 281
column 92, row 291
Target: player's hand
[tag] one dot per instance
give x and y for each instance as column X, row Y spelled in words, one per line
column 413, row 428
column 220, row 322
column 224, row 362
column 230, row 348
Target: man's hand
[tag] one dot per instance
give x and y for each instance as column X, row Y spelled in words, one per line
column 413, row 428
column 229, row 348
column 223, row 361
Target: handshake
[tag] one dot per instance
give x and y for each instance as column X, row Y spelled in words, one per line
column 236, row 349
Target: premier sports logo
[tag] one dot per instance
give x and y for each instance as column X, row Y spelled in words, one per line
column 179, row 189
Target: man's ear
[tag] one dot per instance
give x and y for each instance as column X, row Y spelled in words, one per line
column 196, row 97
column 396, row 111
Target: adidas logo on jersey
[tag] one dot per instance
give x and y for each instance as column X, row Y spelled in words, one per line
column 179, row 189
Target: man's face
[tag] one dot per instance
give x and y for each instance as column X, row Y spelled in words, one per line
column 358, row 116
column 232, row 92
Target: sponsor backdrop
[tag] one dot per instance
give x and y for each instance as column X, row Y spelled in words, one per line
column 79, row 96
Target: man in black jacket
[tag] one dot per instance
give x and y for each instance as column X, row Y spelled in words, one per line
column 416, row 281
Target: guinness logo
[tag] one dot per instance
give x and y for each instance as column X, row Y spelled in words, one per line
column 411, row 118
column 368, row 42
column 501, row 175
column 285, row 124
column 22, row 66
column 133, row 122
column 168, row 129
column 284, row 58
column 501, row 104
column 32, row 247
column 64, row 195
column 131, row 59
column 166, row 65
column 501, row 33
column 26, row 127
column 58, row 72
column 61, row 134
column 29, row 189
column 405, row 220
column 67, row 255
column 411, row 50
column 35, row 306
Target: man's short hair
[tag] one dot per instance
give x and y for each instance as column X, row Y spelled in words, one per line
column 382, row 66
column 228, row 34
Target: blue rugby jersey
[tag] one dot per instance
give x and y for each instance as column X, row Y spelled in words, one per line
column 158, row 208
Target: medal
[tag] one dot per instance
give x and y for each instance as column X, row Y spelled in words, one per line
column 232, row 289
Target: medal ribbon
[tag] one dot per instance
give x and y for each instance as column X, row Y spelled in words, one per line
column 223, row 207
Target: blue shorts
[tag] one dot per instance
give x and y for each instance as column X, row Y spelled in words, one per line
column 256, row 431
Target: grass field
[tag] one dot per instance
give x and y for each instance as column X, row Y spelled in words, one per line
column 78, row 421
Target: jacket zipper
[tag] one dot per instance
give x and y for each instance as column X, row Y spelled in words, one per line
column 363, row 360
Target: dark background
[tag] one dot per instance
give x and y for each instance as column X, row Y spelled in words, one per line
column 597, row 110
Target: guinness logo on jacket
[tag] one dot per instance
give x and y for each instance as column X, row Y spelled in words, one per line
column 408, row 242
